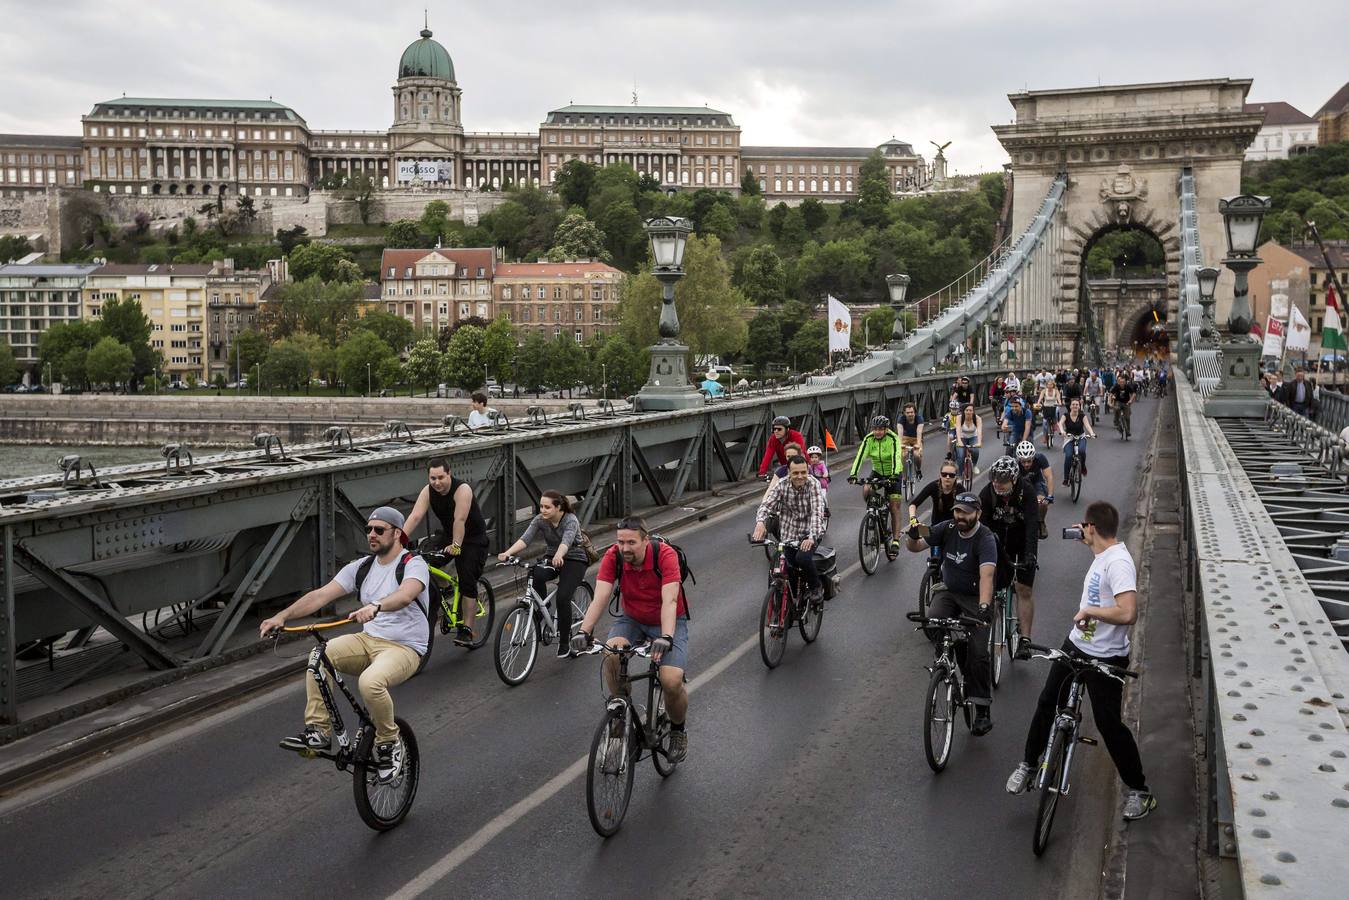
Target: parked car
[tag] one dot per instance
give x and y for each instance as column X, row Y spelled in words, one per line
column 38, row 389
column 16, row 388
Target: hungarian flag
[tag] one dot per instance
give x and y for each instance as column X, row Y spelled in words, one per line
column 1332, row 331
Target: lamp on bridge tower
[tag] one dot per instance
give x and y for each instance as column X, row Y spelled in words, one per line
column 898, row 286
column 1207, row 276
column 1240, row 394
column 668, row 387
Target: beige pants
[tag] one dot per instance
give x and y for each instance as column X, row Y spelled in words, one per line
column 380, row 664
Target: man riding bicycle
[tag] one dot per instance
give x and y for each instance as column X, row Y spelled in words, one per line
column 782, row 434
column 457, row 511
column 881, row 449
column 1035, row 467
column 1120, row 398
column 798, row 504
column 1008, row 507
column 1018, row 422
column 387, row 650
column 653, row 607
column 911, row 435
column 968, row 569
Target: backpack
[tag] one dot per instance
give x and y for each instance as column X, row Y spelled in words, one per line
column 584, row 542
column 363, row 570
column 685, row 574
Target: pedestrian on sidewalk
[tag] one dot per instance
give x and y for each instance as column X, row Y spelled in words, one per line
column 1100, row 630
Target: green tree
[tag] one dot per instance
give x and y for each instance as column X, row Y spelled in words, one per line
column 74, row 367
column 567, row 362
column 250, row 349
column 749, row 184
column 404, row 233
column 573, row 183
column 624, row 365
column 873, row 190
column 763, row 279
column 14, row 246
column 287, row 365
column 316, row 261
column 719, row 221
column 363, row 359
column 531, row 366
column 394, row 330
column 763, row 346
column 625, row 237
column 809, row 348
column 878, row 326
column 9, row 367
column 110, row 362
column 463, row 358
column 814, row 214
column 498, row 348
column 578, row 238
column 510, row 226
column 218, row 382
column 435, row 220
column 311, row 307
column 124, row 321
column 423, row 365
column 59, row 340
column 290, row 238
column 248, row 213
column 360, row 188
column 837, row 267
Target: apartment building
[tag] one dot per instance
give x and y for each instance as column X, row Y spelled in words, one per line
column 174, row 299
column 579, row 299
column 437, row 288
column 233, row 297
column 33, row 298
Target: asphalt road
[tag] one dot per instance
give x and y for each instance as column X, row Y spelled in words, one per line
column 804, row 781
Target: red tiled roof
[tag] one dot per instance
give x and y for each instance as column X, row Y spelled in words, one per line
column 1336, row 103
column 554, row 270
column 470, row 258
column 1279, row 113
column 161, row 269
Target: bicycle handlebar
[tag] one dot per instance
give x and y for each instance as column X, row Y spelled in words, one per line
column 1079, row 662
column 313, row 626
column 642, row 650
column 766, row 542
column 517, row 562
column 960, row 622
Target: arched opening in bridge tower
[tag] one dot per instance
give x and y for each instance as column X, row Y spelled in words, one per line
column 1148, row 338
column 1122, row 281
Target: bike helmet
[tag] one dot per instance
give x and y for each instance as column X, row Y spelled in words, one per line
column 814, row 451
column 783, row 421
column 880, row 422
column 954, row 405
column 1004, row 469
column 1025, row 450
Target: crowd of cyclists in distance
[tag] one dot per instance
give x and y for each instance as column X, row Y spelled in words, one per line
column 977, row 595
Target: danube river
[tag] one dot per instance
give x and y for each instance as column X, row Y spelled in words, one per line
column 25, row 460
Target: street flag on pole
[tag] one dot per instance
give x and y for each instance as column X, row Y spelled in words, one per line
column 1011, row 347
column 1332, row 331
column 840, row 326
column 1273, row 337
column 829, row 441
column 1299, row 332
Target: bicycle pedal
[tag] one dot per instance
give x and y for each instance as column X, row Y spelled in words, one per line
column 1091, row 742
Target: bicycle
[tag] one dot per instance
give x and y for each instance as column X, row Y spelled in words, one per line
column 1052, row 776
column 445, row 605
column 1122, row 424
column 1049, row 420
column 908, row 484
column 1074, row 473
column 966, row 453
column 621, row 739
column 945, row 688
column 930, row 576
column 531, row 622
column 873, row 533
column 381, row 804
column 785, row 603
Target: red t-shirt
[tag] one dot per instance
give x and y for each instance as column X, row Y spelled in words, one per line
column 640, row 586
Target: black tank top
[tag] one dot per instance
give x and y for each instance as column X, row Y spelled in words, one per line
column 1074, row 428
column 475, row 527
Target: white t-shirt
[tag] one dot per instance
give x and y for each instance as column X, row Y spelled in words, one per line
column 1012, row 384
column 409, row 625
column 1112, row 572
column 479, row 418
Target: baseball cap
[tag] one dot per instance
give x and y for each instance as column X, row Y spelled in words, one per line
column 387, row 514
column 967, row 501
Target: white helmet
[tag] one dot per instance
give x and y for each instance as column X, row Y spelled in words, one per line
column 814, row 451
column 1004, row 469
column 954, row 405
column 1025, row 450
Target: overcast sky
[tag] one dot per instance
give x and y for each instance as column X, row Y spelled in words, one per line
column 830, row 72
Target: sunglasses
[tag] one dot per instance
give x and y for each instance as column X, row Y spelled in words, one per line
column 948, row 474
column 375, row 529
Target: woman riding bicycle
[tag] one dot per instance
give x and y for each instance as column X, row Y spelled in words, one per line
column 1075, row 423
column 911, row 436
column 969, row 437
column 1051, row 398
column 561, row 531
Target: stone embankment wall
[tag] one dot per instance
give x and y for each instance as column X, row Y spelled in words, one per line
column 220, row 421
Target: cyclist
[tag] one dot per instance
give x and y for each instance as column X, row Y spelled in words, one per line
column 457, row 511
column 782, row 434
column 793, row 450
column 968, row 570
column 561, row 531
column 1007, row 505
column 1073, row 424
column 941, row 492
column 969, row 436
column 653, row 607
column 881, row 448
column 1093, row 390
column 1120, row 398
column 1018, row 422
column 387, row 650
column 1100, row 630
column 961, row 392
column 1072, row 388
column 911, row 435
column 1163, row 373
column 798, row 504
column 818, row 467
column 1049, row 401
column 1012, row 383
column 1035, row 467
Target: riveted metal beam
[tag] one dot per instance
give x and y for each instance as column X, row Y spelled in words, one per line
column 9, row 675
column 647, row 474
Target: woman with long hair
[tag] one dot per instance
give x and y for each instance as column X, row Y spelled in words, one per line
column 561, row 531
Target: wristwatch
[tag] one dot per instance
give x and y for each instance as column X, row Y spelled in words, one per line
column 378, row 605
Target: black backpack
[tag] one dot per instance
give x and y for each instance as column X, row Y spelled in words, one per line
column 685, row 573
column 363, row 570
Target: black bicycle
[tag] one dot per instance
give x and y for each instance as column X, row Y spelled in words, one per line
column 625, row 733
column 873, row 534
column 931, row 575
column 1074, row 473
column 381, row 802
column 945, row 688
column 1122, row 423
column 786, row 603
column 1051, row 779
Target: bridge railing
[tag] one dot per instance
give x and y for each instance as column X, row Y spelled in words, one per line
column 1198, row 354
column 1274, row 669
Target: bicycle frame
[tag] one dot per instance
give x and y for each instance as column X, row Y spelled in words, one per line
column 1067, row 720
column 539, row 604
column 646, row 732
column 318, row 664
column 447, row 583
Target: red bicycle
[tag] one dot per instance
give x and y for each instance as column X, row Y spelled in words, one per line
column 786, row 601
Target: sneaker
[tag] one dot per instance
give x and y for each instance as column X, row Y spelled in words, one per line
column 1022, row 648
column 564, row 650
column 983, row 722
column 679, row 747
column 611, row 751
column 1044, row 530
column 1084, row 468
column 1139, row 804
column 465, row 637
column 1019, row 780
column 312, row 738
column 1065, row 484
column 389, row 760
column 976, row 471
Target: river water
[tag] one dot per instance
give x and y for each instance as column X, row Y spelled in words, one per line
column 26, row 460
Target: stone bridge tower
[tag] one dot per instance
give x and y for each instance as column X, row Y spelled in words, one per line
column 1123, row 148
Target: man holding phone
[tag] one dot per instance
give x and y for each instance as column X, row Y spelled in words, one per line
column 1100, row 629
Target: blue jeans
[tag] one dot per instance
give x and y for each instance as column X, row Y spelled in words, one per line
column 1068, row 453
column 966, row 444
column 804, row 562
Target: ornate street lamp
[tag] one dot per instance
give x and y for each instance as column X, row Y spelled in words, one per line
column 898, row 286
column 1239, row 394
column 1208, row 284
column 668, row 387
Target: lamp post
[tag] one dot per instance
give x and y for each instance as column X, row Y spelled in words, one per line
column 1240, row 395
column 257, row 370
column 1208, row 284
column 898, row 285
column 668, row 387
column 369, row 384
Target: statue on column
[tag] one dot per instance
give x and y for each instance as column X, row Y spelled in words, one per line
column 939, row 162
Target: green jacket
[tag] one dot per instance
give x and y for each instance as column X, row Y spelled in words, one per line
column 884, row 454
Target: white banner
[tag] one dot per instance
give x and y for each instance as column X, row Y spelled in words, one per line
column 1273, row 337
column 1278, row 306
column 840, row 325
column 409, row 169
column 1299, row 333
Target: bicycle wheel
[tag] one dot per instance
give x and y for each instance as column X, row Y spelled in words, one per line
column 811, row 620
column 1075, row 479
column 869, row 543
column 939, row 719
column 660, row 755
column 925, row 592
column 997, row 637
column 517, row 645
column 383, row 805
column 967, row 470
column 609, row 775
column 1011, row 626
column 773, row 624
column 484, row 614
column 580, row 602
column 1049, row 796
column 432, row 613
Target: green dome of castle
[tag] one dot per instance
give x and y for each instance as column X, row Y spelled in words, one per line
column 426, row 59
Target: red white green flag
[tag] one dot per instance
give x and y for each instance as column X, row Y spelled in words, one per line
column 1332, row 328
